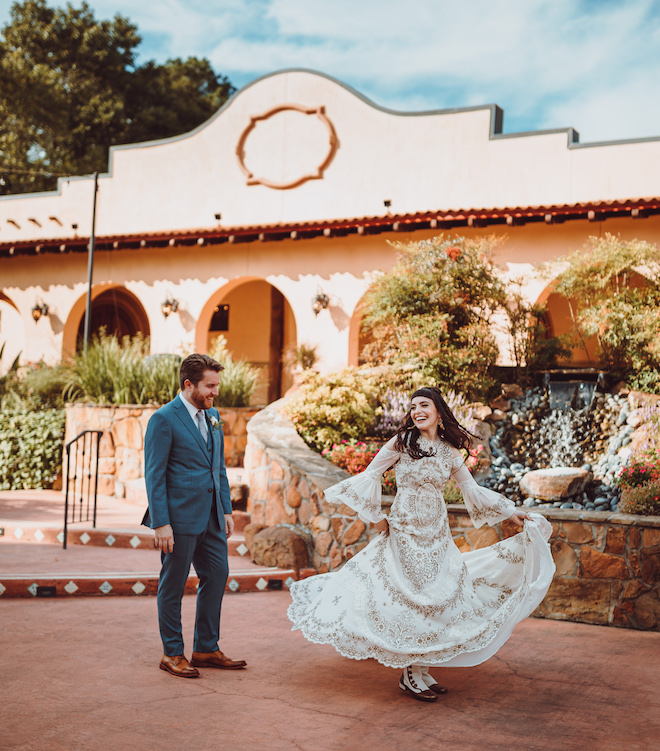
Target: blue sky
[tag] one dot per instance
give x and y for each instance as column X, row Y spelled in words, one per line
column 590, row 64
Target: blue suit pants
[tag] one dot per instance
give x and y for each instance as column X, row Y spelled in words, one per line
column 208, row 554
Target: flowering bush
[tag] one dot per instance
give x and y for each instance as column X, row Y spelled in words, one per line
column 355, row 456
column 395, row 405
column 651, row 421
column 641, row 470
column 433, row 311
column 641, row 499
column 334, row 407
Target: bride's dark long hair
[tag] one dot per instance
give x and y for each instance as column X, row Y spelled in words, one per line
column 407, row 436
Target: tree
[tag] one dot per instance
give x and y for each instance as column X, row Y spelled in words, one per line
column 69, row 89
column 613, row 290
column 429, row 317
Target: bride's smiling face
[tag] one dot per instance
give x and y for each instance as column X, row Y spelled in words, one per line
column 424, row 414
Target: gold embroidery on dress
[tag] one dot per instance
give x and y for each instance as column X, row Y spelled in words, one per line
column 409, row 596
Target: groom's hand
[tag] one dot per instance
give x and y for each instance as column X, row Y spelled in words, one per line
column 164, row 538
column 229, row 525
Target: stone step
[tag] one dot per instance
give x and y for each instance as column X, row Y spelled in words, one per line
column 28, row 531
column 143, row 539
column 134, row 584
column 49, row 571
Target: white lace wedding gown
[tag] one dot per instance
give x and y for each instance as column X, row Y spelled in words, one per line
column 411, row 596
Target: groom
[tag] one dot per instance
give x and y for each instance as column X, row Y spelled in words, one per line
column 190, row 513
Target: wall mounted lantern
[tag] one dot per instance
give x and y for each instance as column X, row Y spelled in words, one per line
column 319, row 302
column 39, row 309
column 169, row 305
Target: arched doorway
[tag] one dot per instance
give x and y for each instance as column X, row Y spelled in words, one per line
column 258, row 324
column 560, row 317
column 12, row 333
column 358, row 338
column 113, row 308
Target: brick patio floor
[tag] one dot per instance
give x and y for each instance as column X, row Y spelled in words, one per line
column 83, row 674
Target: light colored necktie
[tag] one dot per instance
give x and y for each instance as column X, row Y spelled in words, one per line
column 201, row 424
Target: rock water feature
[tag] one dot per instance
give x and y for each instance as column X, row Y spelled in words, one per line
column 561, row 446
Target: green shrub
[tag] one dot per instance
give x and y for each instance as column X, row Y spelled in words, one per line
column 329, row 409
column 114, row 372
column 238, row 379
column 647, row 380
column 640, row 470
column 431, row 315
column 30, row 448
column 641, row 499
column 611, row 300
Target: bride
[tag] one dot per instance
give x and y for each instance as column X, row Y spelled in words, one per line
column 411, row 599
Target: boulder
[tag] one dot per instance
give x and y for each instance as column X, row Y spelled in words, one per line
column 500, row 404
column 279, row 546
column 641, row 399
column 250, row 531
column 512, row 391
column 480, row 411
column 555, row 483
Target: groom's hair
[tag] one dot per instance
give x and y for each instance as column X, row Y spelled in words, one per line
column 193, row 367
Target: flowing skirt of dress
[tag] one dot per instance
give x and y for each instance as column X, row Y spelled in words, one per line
column 411, row 596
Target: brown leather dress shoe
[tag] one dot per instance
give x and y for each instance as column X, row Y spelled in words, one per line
column 216, row 660
column 178, row 665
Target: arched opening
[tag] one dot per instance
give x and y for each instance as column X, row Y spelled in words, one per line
column 113, row 308
column 259, row 326
column 560, row 317
column 12, row 333
column 358, row 337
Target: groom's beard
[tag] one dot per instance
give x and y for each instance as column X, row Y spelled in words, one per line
column 199, row 401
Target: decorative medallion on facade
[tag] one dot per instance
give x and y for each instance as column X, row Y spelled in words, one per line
column 286, row 146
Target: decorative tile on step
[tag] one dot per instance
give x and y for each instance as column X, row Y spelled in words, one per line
column 252, row 579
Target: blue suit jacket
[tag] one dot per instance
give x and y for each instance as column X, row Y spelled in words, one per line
column 185, row 478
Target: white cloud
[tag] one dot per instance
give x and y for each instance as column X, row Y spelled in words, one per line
column 590, row 64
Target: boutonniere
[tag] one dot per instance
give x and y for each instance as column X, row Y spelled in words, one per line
column 215, row 423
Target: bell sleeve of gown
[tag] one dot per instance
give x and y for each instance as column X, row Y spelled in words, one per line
column 485, row 506
column 362, row 492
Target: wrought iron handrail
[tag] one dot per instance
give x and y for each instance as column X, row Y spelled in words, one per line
column 82, row 489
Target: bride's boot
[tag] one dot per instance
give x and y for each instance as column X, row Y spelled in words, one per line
column 430, row 682
column 412, row 683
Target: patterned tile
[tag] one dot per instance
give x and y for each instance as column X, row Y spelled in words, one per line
column 234, row 585
column 71, row 587
column 242, row 549
column 134, row 541
column 60, row 537
column 39, row 535
column 85, row 538
column 105, row 587
column 18, row 533
column 261, row 584
column 32, row 589
column 289, row 581
column 138, row 588
column 110, row 540
column 2, row 589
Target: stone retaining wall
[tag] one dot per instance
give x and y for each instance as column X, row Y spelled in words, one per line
column 608, row 565
column 287, row 481
column 121, row 452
